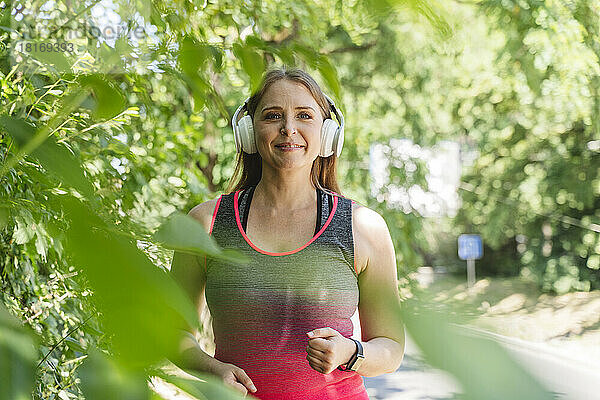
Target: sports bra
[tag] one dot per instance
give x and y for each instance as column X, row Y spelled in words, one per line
column 245, row 199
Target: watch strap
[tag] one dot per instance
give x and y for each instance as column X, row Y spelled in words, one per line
column 357, row 353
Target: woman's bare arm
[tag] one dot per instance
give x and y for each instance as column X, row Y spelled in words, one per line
column 379, row 305
column 189, row 272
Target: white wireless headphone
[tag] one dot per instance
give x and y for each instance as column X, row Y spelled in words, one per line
column 332, row 134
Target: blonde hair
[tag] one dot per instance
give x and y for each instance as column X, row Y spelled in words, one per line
column 248, row 168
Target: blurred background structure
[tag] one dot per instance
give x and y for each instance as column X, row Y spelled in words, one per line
column 443, row 164
column 462, row 117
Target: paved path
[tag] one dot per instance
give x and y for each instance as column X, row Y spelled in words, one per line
column 412, row 381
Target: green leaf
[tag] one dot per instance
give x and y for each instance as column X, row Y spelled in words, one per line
column 91, row 330
column 117, row 147
column 378, row 8
column 329, row 74
column 286, row 55
column 252, row 63
column 430, row 9
column 183, row 233
column 202, row 386
column 156, row 17
column 310, row 56
column 144, row 8
column 218, row 58
column 4, row 214
column 49, row 56
column 106, row 99
column 253, row 41
column 41, row 241
column 193, row 59
column 23, row 233
column 18, row 356
column 103, row 378
column 74, row 344
column 200, row 90
column 194, row 56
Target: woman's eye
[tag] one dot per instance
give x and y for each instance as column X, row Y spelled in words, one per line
column 271, row 115
column 305, row 115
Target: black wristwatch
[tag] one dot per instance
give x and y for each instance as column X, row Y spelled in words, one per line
column 356, row 359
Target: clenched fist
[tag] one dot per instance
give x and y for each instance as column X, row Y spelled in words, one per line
column 327, row 349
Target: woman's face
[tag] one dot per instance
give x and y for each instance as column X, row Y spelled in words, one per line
column 287, row 126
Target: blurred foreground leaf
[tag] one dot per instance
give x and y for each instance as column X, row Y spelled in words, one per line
column 49, row 54
column 432, row 10
column 330, row 75
column 201, row 386
column 106, row 99
column 142, row 306
column 252, row 63
column 193, row 55
column 183, row 233
column 193, row 59
column 483, row 368
column 18, row 356
column 102, row 378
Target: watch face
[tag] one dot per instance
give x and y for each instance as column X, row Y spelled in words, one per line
column 357, row 363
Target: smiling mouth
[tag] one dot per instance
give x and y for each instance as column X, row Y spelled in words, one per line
column 289, row 146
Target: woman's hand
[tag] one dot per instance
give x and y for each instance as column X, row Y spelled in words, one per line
column 235, row 377
column 327, row 349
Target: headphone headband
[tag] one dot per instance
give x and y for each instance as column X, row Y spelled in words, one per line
column 338, row 114
column 234, row 120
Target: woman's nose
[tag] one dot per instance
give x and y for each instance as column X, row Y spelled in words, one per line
column 286, row 131
column 288, row 127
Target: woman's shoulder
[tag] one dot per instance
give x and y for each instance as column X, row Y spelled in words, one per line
column 366, row 220
column 371, row 235
column 204, row 212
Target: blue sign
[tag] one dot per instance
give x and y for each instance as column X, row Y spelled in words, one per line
column 470, row 247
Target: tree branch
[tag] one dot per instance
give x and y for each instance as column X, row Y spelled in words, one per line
column 289, row 37
column 207, row 170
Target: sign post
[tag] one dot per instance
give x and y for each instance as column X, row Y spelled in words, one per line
column 470, row 248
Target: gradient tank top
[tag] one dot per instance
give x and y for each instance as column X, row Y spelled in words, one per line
column 262, row 310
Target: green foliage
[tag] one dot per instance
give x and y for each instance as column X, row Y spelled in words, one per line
column 533, row 192
column 17, row 358
column 51, row 156
column 134, row 138
column 106, row 99
column 103, row 378
column 252, row 63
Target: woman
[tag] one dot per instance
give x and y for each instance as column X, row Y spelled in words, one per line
column 282, row 321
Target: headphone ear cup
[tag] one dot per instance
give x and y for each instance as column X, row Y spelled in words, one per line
column 328, row 135
column 245, row 133
column 236, row 137
column 339, row 143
